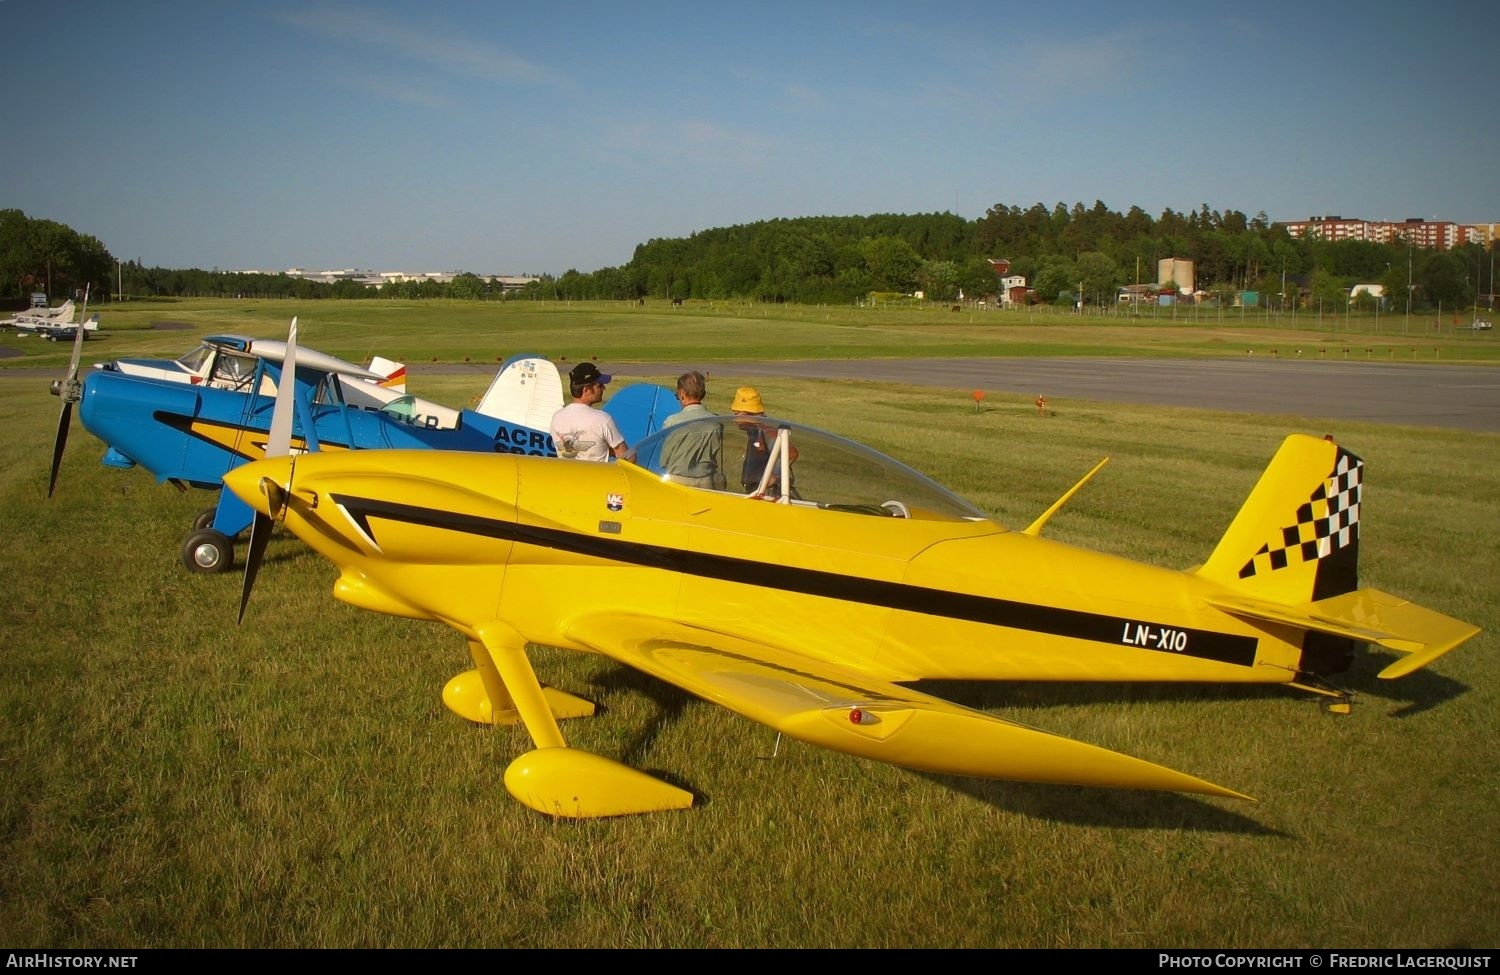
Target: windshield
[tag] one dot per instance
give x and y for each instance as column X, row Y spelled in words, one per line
column 746, row 455
column 194, row 361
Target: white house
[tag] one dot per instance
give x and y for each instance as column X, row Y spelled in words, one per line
column 1368, row 291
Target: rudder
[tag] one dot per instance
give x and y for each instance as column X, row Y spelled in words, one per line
column 1296, row 538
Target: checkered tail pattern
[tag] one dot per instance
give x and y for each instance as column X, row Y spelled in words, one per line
column 1326, row 523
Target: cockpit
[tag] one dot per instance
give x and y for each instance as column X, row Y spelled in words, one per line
column 788, row 463
column 233, row 370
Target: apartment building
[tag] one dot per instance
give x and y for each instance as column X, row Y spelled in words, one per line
column 1436, row 234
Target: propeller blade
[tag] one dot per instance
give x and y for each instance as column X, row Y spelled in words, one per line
column 260, row 533
column 59, row 444
column 78, row 334
column 278, row 444
column 70, row 391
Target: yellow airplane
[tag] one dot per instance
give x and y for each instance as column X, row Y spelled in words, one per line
column 811, row 610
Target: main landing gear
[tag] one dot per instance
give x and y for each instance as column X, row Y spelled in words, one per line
column 207, row 549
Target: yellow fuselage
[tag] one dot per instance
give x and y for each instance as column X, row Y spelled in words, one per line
column 461, row 542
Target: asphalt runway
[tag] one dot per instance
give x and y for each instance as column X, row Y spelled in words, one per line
column 1411, row 394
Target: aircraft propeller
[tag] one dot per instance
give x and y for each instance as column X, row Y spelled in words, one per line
column 278, row 444
column 70, row 391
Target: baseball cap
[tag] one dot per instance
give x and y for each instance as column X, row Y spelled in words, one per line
column 585, row 373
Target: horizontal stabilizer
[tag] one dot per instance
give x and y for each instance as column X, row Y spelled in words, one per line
column 1420, row 634
column 843, row 709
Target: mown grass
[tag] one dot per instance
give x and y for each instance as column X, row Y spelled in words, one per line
column 175, row 780
column 484, row 332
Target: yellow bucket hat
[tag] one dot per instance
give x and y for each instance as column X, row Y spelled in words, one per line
column 747, row 400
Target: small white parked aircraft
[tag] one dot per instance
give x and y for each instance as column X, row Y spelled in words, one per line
column 51, row 323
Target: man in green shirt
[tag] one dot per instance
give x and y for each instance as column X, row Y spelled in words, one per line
column 693, row 455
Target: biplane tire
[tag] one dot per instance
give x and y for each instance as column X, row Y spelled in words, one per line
column 207, row 550
column 205, row 519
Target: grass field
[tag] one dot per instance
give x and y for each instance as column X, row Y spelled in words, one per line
column 458, row 331
column 175, row 780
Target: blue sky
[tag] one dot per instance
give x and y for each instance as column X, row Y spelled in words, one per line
column 533, row 138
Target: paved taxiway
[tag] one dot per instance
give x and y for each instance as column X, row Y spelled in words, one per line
column 1413, row 394
column 1459, row 397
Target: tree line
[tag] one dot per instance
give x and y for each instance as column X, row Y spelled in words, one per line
column 1065, row 254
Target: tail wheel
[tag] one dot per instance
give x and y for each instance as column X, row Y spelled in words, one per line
column 207, row 550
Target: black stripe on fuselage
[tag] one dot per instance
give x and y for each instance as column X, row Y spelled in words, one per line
column 257, row 437
column 1114, row 630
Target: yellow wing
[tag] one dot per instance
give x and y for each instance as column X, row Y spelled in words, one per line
column 847, row 711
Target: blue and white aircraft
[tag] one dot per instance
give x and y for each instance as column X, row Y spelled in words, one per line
column 191, row 420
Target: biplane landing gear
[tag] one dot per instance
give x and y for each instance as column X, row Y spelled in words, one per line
column 205, row 518
column 208, row 550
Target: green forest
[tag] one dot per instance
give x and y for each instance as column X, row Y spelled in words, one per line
column 1065, row 254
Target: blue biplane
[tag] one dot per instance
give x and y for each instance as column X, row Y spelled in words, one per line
column 190, row 421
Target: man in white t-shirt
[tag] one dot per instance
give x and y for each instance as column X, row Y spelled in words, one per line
column 582, row 432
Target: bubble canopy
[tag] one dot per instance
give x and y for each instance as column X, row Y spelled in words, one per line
column 826, row 470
